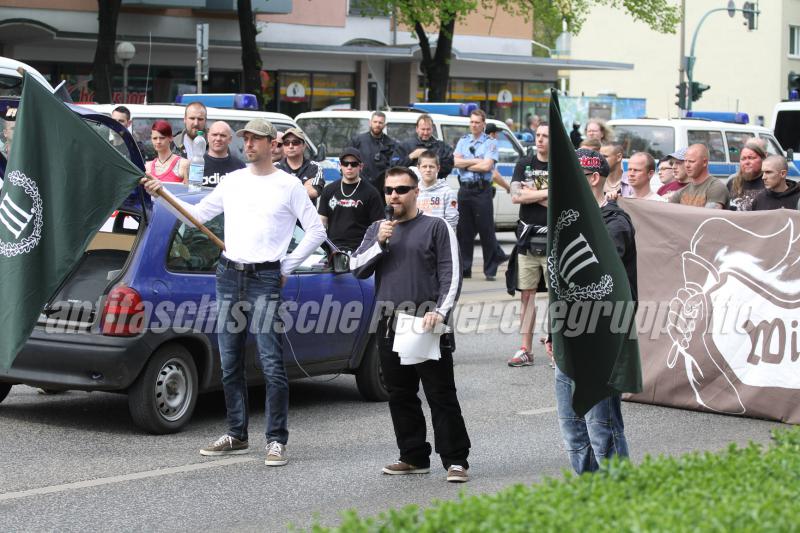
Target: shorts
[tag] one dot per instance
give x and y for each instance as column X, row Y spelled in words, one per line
column 530, row 269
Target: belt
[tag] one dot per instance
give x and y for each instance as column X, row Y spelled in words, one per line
column 249, row 267
column 479, row 185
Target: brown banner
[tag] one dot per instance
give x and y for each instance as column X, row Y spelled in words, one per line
column 719, row 311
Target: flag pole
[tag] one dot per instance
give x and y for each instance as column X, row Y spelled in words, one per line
column 179, row 208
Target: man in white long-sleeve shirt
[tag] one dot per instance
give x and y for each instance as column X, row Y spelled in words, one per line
column 261, row 206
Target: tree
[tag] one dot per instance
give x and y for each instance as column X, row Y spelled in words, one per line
column 423, row 16
column 251, row 59
column 102, row 71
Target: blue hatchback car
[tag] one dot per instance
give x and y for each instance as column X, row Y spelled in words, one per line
column 137, row 315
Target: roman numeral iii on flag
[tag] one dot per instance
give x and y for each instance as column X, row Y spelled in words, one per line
column 63, row 180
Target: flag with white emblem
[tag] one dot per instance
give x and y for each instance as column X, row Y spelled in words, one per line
column 62, row 182
column 592, row 312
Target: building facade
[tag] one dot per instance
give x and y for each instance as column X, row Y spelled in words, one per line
column 747, row 70
column 315, row 54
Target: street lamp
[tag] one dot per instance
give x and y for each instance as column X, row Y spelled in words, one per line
column 125, row 52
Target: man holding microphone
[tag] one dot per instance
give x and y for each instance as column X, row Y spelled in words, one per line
column 261, row 205
column 426, row 246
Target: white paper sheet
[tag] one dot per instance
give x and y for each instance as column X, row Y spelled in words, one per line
column 412, row 343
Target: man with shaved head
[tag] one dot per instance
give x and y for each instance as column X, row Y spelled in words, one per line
column 778, row 191
column 218, row 160
column 704, row 190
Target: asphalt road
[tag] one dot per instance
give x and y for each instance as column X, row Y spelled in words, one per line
column 75, row 462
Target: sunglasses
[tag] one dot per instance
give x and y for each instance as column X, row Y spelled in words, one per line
column 351, row 164
column 400, row 189
column 292, row 143
column 280, row 144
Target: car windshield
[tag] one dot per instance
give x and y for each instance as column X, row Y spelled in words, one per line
column 658, row 140
column 143, row 126
column 335, row 132
column 10, row 85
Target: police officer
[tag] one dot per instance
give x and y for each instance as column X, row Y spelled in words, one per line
column 475, row 157
column 377, row 149
column 407, row 152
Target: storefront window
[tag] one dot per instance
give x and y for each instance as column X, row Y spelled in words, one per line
column 535, row 100
column 332, row 90
column 468, row 91
column 505, row 101
column 295, row 93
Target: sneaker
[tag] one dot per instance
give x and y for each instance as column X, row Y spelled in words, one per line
column 276, row 454
column 399, row 468
column 457, row 474
column 225, row 445
column 522, row 358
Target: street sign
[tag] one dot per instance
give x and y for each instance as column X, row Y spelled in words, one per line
column 504, row 98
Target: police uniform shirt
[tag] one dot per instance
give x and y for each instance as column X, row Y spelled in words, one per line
column 468, row 147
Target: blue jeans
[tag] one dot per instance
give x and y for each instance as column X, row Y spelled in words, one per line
column 248, row 301
column 597, row 436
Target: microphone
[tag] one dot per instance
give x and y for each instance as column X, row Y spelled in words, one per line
column 388, row 214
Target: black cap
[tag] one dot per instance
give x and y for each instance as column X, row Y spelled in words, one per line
column 351, row 152
column 491, row 128
column 593, row 161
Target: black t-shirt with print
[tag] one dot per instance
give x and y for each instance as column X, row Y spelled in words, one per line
column 530, row 169
column 216, row 167
column 350, row 209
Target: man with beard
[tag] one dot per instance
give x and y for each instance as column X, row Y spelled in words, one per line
column 377, row 149
column 194, row 121
column 746, row 184
column 407, row 153
column 415, row 261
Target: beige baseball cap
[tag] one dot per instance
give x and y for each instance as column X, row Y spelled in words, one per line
column 258, row 126
column 297, row 132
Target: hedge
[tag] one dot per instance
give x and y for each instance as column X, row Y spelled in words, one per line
column 740, row 489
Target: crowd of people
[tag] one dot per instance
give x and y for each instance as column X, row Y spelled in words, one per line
column 394, row 212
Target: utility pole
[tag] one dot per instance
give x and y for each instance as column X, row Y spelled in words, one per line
column 682, row 60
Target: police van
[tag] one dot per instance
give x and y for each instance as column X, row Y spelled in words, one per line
column 143, row 117
column 724, row 139
column 334, row 130
column 786, row 126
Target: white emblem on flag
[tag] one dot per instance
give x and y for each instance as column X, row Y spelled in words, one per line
column 13, row 217
column 24, row 224
column 578, row 250
column 576, row 256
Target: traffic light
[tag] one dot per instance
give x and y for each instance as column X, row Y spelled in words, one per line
column 681, row 95
column 750, row 15
column 698, row 89
column 794, row 85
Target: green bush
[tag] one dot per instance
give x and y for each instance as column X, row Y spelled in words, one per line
column 739, row 489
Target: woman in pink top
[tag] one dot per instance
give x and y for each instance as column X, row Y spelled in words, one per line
column 166, row 166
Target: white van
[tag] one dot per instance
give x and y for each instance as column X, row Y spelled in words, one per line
column 661, row 137
column 143, row 117
column 11, row 79
column 335, row 129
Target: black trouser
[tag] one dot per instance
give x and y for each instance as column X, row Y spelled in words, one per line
column 402, row 381
column 476, row 216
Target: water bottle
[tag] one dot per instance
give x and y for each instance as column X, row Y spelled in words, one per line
column 197, row 163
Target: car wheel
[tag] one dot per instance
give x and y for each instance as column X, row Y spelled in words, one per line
column 5, row 388
column 369, row 377
column 163, row 397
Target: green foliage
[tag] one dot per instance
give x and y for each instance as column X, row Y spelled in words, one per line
column 739, row 489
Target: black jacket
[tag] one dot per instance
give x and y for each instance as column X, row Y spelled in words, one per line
column 445, row 153
column 377, row 154
column 787, row 199
column 177, row 146
column 620, row 228
column 309, row 170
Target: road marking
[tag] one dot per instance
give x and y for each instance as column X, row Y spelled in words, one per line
column 537, row 411
column 127, row 477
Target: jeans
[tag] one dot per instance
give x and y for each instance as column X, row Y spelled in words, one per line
column 597, row 436
column 248, row 302
column 438, row 382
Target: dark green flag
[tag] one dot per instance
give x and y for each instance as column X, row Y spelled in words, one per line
column 62, row 182
column 591, row 308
